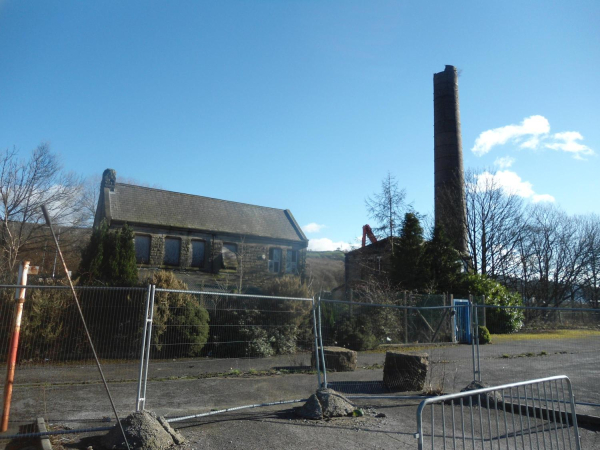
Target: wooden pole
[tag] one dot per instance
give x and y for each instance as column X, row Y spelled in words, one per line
column 14, row 346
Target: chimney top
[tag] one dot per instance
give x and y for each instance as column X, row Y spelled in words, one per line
column 109, row 179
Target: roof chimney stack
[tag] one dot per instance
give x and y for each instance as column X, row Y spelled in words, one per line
column 109, row 179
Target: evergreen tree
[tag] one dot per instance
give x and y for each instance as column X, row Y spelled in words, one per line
column 443, row 262
column 386, row 207
column 410, row 272
column 109, row 258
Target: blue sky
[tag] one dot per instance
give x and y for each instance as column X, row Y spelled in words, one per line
column 306, row 104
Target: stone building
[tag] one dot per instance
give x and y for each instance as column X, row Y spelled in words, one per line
column 368, row 264
column 208, row 242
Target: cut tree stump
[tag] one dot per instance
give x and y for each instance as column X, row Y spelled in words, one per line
column 338, row 359
column 405, row 372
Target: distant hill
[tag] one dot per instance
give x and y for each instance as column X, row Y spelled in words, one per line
column 335, row 255
column 325, row 270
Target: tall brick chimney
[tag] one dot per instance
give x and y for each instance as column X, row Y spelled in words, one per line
column 450, row 211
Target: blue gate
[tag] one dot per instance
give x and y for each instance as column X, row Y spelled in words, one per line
column 462, row 321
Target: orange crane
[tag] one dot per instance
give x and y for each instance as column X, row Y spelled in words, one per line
column 368, row 232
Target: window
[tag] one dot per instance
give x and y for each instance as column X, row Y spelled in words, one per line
column 172, row 250
column 291, row 261
column 229, row 254
column 274, row 260
column 197, row 253
column 142, row 249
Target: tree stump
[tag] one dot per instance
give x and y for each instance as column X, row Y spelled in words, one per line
column 338, row 359
column 405, row 372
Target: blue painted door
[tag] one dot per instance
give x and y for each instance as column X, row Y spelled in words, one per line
column 462, row 321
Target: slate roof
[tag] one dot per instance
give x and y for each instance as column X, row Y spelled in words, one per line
column 147, row 206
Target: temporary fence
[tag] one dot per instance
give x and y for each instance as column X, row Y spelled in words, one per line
column 148, row 335
column 549, row 341
column 525, row 415
column 54, row 357
column 410, row 324
column 526, row 342
column 196, row 334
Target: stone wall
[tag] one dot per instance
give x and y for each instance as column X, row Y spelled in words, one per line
column 252, row 257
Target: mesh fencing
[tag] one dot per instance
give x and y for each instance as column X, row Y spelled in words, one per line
column 413, row 325
column 54, row 359
column 261, row 348
column 242, row 338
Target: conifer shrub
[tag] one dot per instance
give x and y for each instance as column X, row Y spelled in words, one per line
column 109, row 258
column 484, row 335
column 180, row 321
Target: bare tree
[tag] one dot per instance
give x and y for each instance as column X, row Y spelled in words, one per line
column 591, row 272
column 494, row 224
column 26, row 185
column 387, row 207
column 553, row 255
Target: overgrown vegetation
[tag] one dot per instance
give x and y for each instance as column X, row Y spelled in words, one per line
column 180, row 324
column 261, row 327
column 498, row 320
column 109, row 258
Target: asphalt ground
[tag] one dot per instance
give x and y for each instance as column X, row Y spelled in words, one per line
column 71, row 397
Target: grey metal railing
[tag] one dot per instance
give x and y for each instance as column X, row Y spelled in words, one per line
column 531, row 414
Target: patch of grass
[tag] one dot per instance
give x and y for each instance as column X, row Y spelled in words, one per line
column 547, row 334
column 524, row 355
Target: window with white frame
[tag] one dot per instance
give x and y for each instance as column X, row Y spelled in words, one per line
column 142, row 249
column 172, row 251
column 275, row 260
column 291, row 261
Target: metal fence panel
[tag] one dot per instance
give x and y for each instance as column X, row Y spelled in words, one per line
column 550, row 341
column 54, row 357
column 410, row 324
column 525, row 415
column 199, row 335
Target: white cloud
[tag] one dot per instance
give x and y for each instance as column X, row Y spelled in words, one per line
column 531, row 134
column 312, row 227
column 505, row 162
column 568, row 143
column 533, row 127
column 511, row 183
column 324, row 244
column 542, row 198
